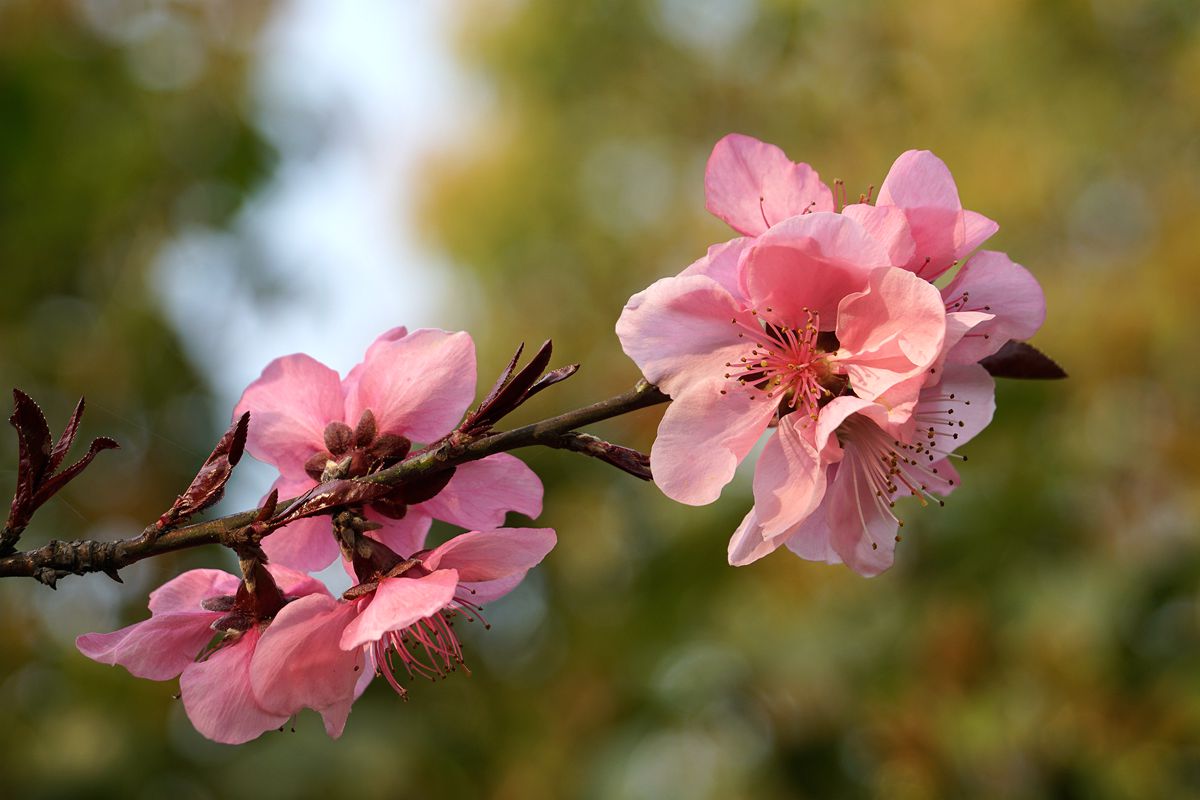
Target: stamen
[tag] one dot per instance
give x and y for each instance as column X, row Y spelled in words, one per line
column 784, row 363
column 428, row 648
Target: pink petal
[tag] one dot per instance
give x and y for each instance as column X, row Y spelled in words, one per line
column 809, row 263
column 974, row 401
column 681, row 331
column 294, row 583
column 490, row 555
column 753, row 185
column 306, row 544
column 812, row 539
column 959, row 324
column 749, row 544
column 977, row 229
column 389, row 335
column 488, row 591
column 834, row 414
column 482, row 492
column 185, row 593
column 789, row 479
column 887, row 225
column 398, row 603
column 996, row 285
column 920, row 183
column 892, row 331
column 919, row 179
column 157, row 648
column 702, row 438
column 217, row 696
column 404, row 536
column 721, row 264
column 418, row 386
column 290, row 405
column 863, row 535
column 299, row 663
column 366, row 675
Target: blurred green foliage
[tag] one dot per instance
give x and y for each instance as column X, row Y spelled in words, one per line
column 1038, row 637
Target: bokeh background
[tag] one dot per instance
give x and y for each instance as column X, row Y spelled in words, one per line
column 189, row 189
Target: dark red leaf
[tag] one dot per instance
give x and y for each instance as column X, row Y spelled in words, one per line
column 504, row 377
column 1022, row 360
column 516, row 390
column 550, row 378
column 37, row 460
column 209, row 484
column 33, row 438
column 505, row 398
column 67, row 439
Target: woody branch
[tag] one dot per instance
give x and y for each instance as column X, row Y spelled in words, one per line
column 474, row 439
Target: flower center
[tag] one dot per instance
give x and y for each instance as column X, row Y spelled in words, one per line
column 785, row 363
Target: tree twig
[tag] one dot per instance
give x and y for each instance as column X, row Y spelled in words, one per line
column 57, row 559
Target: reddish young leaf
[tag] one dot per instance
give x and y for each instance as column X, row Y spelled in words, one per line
column 33, row 442
column 505, row 375
column 513, row 389
column 59, row 452
column 510, row 391
column 37, row 461
column 550, row 378
column 209, row 484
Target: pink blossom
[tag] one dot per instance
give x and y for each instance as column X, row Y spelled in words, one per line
column 834, row 334
column 917, row 216
column 410, row 387
column 822, row 313
column 871, row 462
column 399, row 617
column 186, row 613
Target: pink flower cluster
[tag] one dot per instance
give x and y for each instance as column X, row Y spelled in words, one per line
column 823, row 321
column 251, row 652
